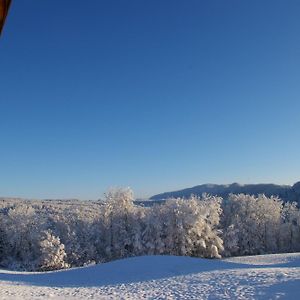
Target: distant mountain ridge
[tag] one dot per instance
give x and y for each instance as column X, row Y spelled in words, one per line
column 285, row 192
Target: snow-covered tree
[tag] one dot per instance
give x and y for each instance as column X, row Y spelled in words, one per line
column 53, row 253
column 3, row 242
column 290, row 228
column 152, row 233
column 22, row 226
column 189, row 227
column 122, row 225
column 251, row 224
column 208, row 242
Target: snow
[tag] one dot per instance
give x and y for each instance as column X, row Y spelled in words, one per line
column 275, row 276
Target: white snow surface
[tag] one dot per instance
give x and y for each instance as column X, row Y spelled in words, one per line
column 275, row 276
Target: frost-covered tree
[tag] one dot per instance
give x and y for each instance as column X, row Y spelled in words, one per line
column 153, row 238
column 251, row 224
column 178, row 219
column 208, row 242
column 231, row 237
column 3, row 242
column 189, row 227
column 178, row 227
column 122, row 224
column 22, row 226
column 290, row 228
column 53, row 253
column 76, row 232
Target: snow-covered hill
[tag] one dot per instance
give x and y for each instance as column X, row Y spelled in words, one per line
column 163, row 277
column 285, row 192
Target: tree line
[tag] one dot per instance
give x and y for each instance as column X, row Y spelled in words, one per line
column 43, row 237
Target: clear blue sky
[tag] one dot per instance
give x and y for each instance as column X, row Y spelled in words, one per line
column 155, row 95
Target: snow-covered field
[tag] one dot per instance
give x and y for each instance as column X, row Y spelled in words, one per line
column 163, row 277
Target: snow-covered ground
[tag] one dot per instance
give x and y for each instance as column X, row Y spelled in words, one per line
column 163, row 277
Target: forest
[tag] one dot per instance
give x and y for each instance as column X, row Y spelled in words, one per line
column 42, row 236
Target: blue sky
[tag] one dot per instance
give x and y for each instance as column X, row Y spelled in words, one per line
column 155, row 95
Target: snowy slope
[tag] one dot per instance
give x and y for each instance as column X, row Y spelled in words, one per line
column 163, row 277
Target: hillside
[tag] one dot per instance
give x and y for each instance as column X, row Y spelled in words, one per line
column 285, row 192
column 275, row 276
